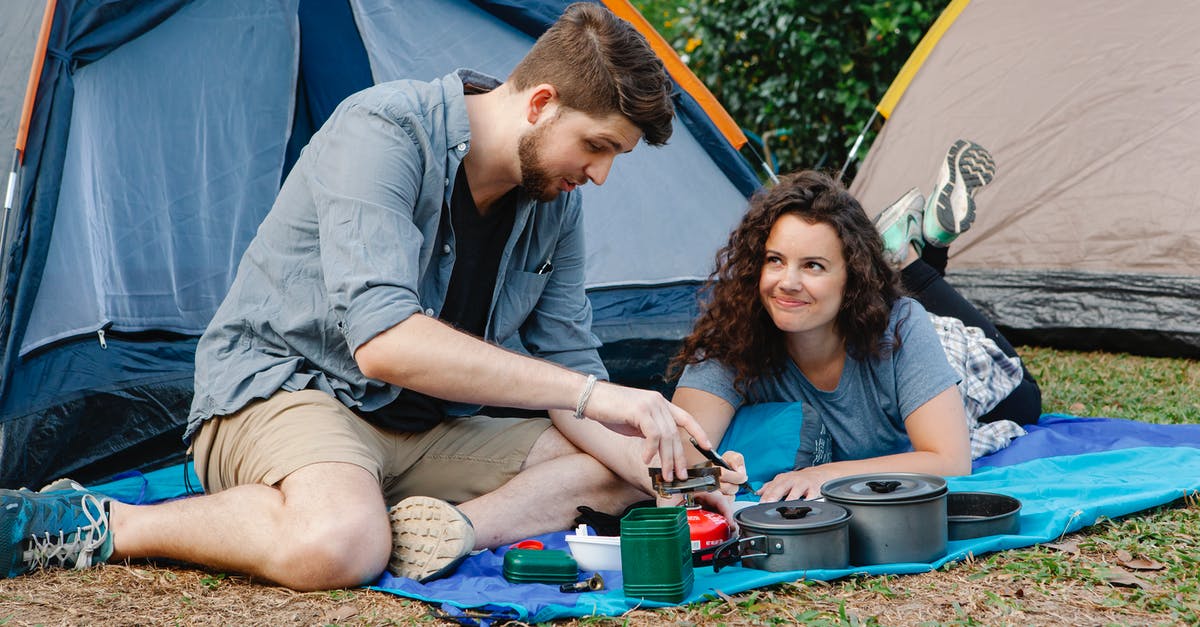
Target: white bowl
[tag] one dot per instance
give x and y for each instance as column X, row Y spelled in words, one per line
column 594, row 553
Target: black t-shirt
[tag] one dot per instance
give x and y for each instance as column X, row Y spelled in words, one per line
column 479, row 243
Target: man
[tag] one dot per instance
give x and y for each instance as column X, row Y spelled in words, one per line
column 339, row 376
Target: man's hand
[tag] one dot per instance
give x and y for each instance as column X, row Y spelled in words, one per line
column 647, row 414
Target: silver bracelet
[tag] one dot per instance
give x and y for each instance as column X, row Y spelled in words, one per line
column 584, row 396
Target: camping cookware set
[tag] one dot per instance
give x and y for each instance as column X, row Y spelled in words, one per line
column 879, row 518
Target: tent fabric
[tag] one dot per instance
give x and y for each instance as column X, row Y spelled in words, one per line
column 1091, row 227
column 159, row 140
column 1113, row 468
column 20, row 28
column 140, row 242
column 114, row 409
column 212, row 157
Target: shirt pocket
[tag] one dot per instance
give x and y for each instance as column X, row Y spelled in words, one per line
column 518, row 298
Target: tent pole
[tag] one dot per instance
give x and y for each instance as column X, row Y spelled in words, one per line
column 9, row 194
column 35, row 77
column 857, row 142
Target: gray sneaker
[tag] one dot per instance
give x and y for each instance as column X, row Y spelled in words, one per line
column 900, row 226
column 951, row 209
column 430, row 538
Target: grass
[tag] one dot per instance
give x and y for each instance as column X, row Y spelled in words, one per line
column 1142, row 569
column 1157, row 390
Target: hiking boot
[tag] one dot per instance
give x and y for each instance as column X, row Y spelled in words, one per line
column 67, row 528
column 430, row 538
column 951, row 210
column 900, row 226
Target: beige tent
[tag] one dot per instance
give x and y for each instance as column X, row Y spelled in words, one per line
column 1090, row 234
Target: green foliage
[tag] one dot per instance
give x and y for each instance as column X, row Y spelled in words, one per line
column 212, row 582
column 805, row 72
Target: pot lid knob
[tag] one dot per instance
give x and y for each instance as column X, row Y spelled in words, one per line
column 883, row 487
column 794, row 513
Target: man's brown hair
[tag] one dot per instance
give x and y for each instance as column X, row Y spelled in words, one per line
column 601, row 65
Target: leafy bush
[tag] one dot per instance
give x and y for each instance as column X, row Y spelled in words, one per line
column 806, row 72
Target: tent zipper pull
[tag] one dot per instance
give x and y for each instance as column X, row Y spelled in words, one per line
column 103, row 344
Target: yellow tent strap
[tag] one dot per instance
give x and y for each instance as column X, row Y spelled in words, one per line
column 680, row 72
column 917, row 59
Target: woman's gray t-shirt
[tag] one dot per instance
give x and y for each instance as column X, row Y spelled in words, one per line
column 864, row 416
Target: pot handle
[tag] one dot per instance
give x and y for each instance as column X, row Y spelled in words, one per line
column 734, row 549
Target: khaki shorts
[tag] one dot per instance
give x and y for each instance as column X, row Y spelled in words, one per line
column 267, row 440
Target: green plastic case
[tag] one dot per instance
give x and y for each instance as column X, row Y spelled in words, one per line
column 536, row 566
column 656, row 554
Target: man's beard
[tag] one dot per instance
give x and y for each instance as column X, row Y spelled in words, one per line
column 534, row 178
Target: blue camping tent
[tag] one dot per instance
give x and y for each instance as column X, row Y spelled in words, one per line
column 160, row 136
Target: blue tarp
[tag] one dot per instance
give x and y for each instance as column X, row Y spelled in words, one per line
column 1107, row 468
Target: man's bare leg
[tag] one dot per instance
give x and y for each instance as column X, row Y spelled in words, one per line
column 542, row 498
column 325, row 526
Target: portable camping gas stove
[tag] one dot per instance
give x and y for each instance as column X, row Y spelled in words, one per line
column 704, row 477
column 707, row 529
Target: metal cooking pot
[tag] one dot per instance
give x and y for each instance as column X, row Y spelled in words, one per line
column 977, row 514
column 896, row 517
column 789, row 535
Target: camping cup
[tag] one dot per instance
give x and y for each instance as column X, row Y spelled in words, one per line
column 895, row 517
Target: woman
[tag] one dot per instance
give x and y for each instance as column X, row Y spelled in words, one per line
column 805, row 307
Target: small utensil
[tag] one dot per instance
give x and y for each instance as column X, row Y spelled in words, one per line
column 593, row 583
column 712, row 456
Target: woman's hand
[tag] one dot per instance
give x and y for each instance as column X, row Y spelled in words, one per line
column 798, row 484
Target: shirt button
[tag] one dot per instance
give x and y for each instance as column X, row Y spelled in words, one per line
column 446, row 249
column 461, row 147
column 429, row 312
column 446, row 183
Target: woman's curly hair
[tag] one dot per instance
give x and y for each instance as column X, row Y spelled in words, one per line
column 734, row 326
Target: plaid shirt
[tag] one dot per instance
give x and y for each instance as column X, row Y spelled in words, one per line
column 987, row 376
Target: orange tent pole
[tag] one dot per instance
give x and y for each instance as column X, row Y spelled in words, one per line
column 35, row 76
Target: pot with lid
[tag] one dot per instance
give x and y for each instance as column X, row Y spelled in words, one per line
column 895, row 517
column 789, row 535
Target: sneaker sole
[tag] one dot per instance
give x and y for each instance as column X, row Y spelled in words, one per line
column 63, row 485
column 968, row 166
column 430, row 538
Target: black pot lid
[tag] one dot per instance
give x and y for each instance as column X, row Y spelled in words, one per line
column 782, row 517
column 884, row 487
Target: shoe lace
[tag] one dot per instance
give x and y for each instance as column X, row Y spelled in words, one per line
column 76, row 548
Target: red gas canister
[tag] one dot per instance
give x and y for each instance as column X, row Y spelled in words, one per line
column 707, row 528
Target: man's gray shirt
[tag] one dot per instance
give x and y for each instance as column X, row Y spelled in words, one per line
column 355, row 244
